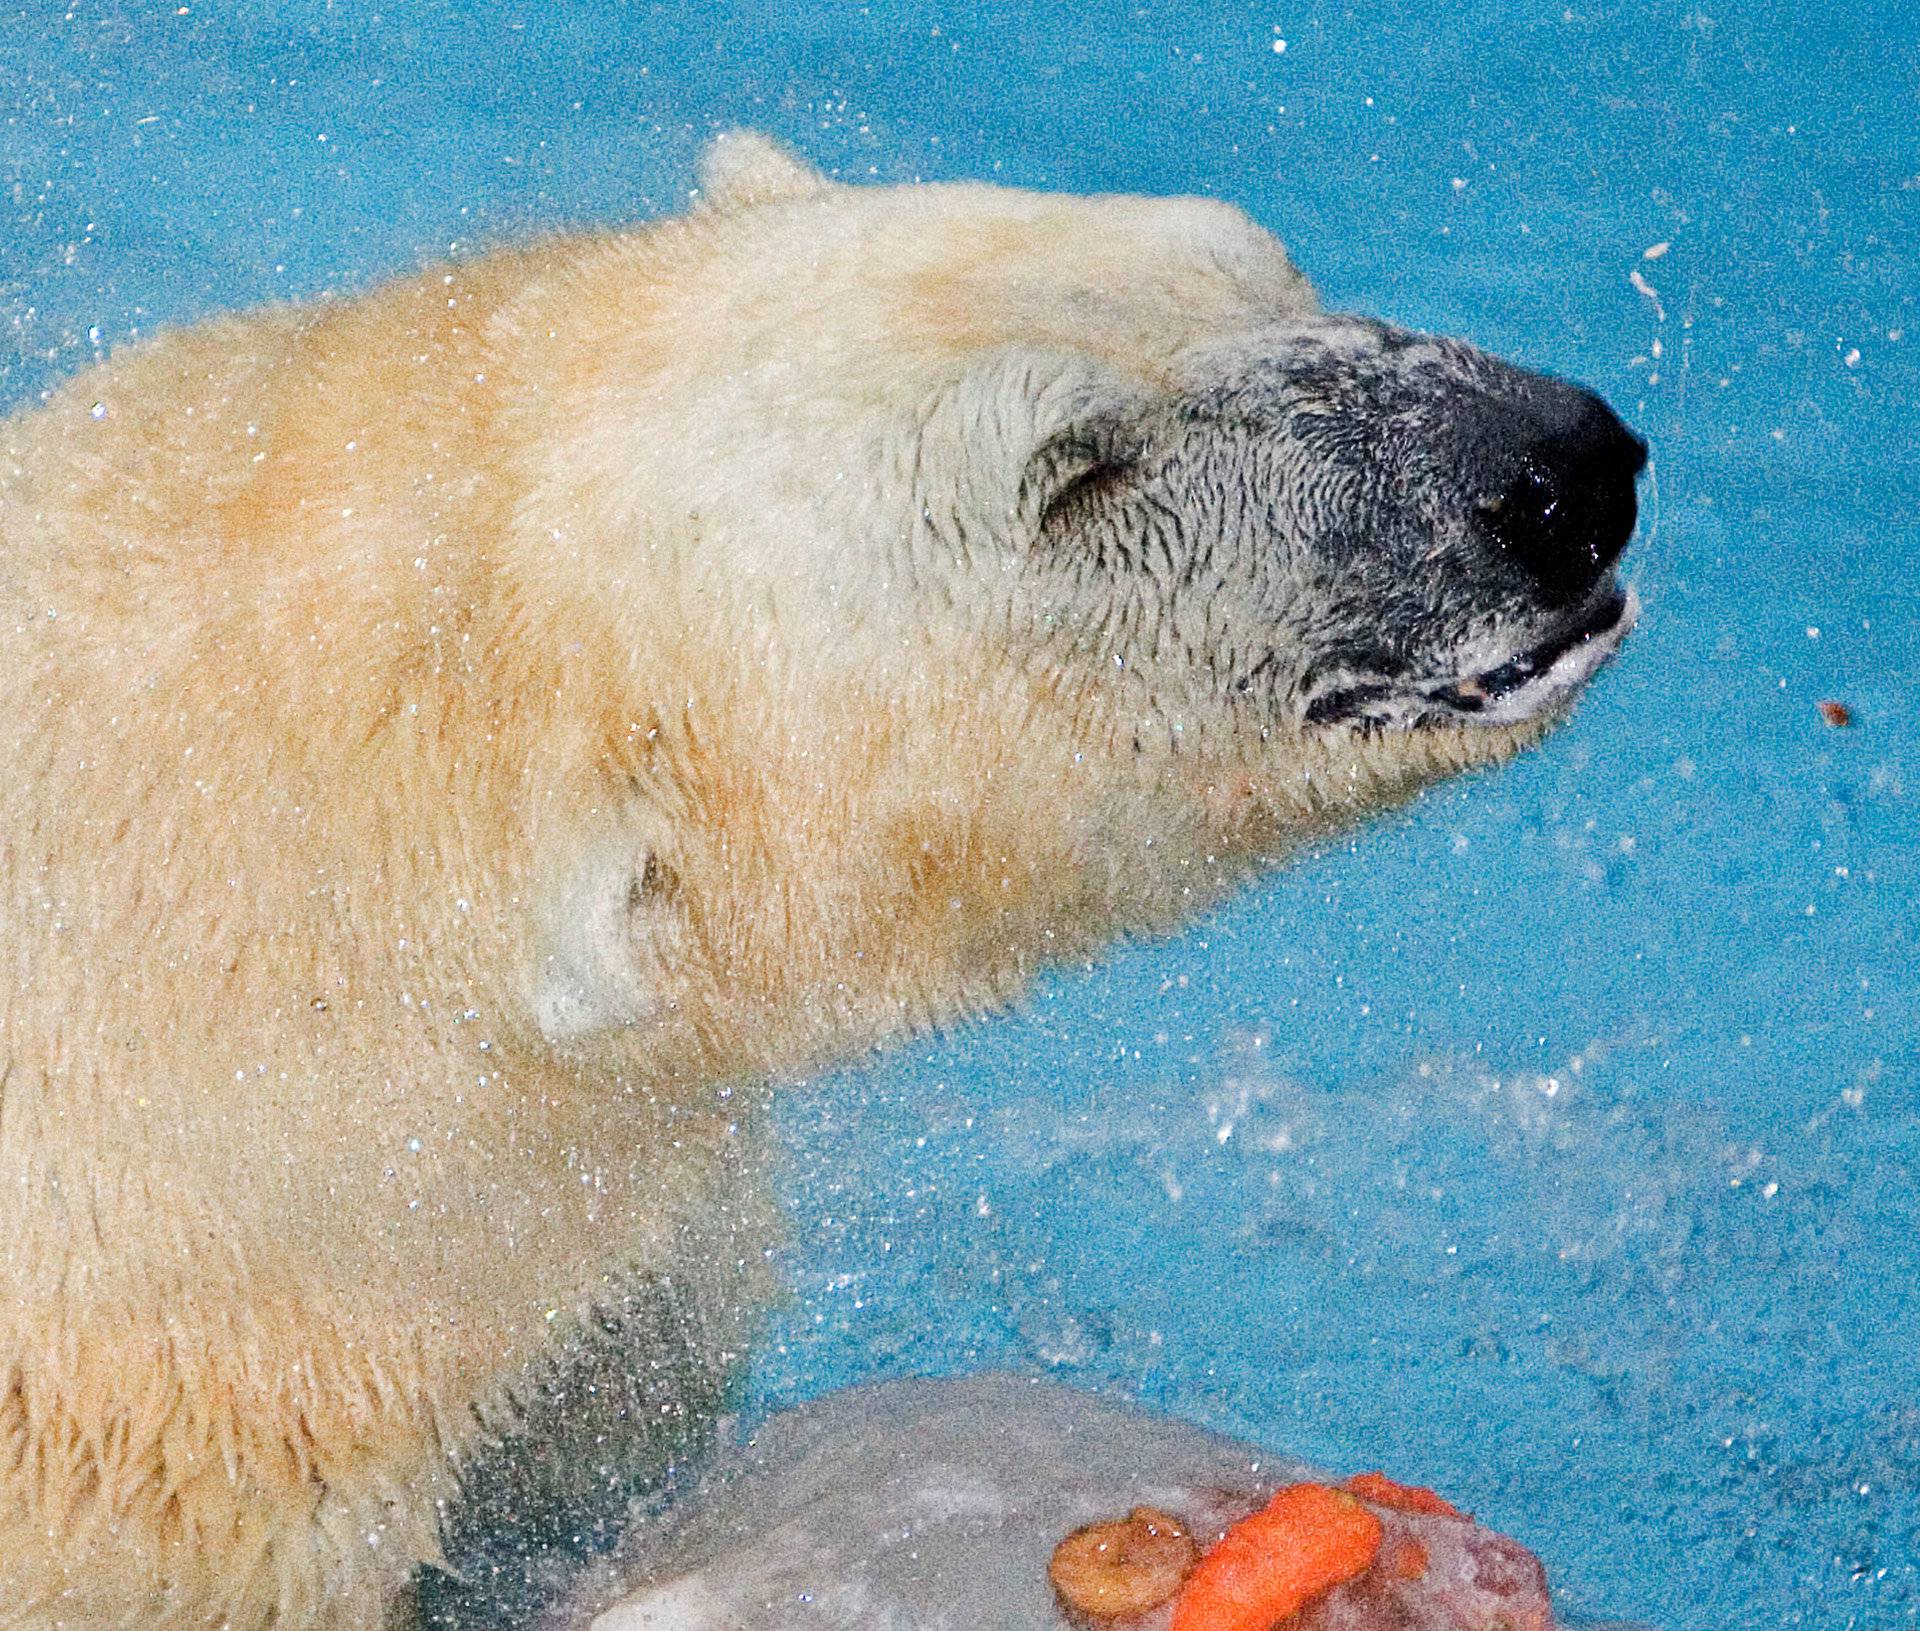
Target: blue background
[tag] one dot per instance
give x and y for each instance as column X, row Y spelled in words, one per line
column 1553, row 1142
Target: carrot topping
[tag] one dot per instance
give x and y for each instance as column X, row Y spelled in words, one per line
column 1299, row 1546
column 1378, row 1488
column 1123, row 1567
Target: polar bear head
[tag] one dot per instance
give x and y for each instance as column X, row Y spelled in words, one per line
column 1043, row 564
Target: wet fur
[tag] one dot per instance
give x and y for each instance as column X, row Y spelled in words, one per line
column 464, row 740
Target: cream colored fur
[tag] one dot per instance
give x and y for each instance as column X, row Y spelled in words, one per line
column 453, row 734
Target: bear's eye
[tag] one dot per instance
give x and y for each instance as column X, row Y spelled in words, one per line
column 1084, row 486
column 1075, row 470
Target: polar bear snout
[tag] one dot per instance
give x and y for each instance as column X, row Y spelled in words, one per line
column 1382, row 529
column 1560, row 503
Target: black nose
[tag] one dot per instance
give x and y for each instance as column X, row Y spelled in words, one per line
column 1561, row 504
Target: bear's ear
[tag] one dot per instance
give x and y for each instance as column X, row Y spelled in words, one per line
column 612, row 942
column 743, row 167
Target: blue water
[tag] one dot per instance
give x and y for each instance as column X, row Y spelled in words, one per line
column 1553, row 1142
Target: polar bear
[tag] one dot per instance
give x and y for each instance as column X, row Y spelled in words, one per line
column 464, row 741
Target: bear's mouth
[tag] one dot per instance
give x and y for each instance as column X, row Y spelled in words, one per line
column 1541, row 678
column 1547, row 675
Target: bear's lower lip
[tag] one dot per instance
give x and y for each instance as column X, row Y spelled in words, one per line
column 1549, row 673
column 1537, row 680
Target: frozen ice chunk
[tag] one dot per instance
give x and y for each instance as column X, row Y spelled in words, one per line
column 936, row 1506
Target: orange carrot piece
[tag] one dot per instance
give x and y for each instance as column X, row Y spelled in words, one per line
column 1299, row 1546
column 1378, row 1488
